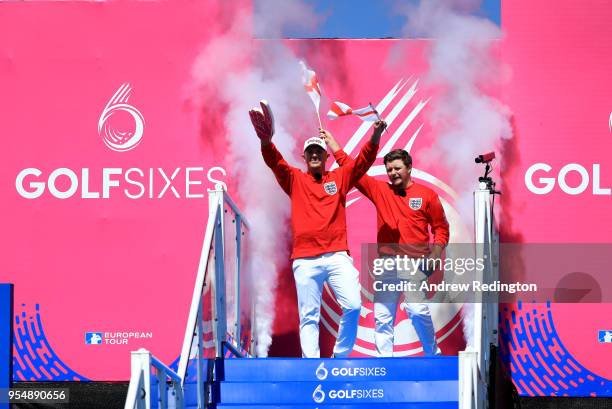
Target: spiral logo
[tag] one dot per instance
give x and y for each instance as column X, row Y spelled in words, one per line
column 117, row 139
column 321, row 372
column 318, row 395
column 446, row 316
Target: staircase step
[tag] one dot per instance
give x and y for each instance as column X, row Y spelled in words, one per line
column 334, row 393
column 338, row 369
column 413, row 405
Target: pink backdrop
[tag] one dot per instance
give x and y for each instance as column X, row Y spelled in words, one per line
column 560, row 97
column 119, row 264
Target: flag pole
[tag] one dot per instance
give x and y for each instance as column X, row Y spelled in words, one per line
column 319, row 117
column 377, row 115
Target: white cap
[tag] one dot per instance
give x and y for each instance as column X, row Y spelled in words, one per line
column 315, row 140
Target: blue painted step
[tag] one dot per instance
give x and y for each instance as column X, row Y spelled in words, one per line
column 328, row 393
column 349, row 369
column 413, row 405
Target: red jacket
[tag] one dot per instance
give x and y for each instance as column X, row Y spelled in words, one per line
column 318, row 215
column 405, row 219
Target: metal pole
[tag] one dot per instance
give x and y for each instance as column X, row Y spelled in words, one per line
column 196, row 299
column 199, row 368
column 237, row 279
column 220, row 319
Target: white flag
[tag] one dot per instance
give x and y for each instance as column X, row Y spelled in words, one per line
column 311, row 84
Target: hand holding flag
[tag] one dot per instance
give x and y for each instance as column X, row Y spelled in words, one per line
column 311, row 84
column 380, row 123
column 379, row 127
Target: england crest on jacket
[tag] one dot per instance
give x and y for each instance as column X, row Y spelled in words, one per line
column 415, row 203
column 330, row 188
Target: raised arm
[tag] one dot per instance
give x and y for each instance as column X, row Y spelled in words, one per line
column 263, row 122
column 379, row 127
column 357, row 168
column 367, row 155
column 367, row 184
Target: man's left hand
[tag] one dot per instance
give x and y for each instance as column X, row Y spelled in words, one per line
column 379, row 127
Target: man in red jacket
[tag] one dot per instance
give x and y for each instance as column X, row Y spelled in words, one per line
column 405, row 211
column 318, row 222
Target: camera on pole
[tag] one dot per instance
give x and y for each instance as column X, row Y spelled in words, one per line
column 486, row 181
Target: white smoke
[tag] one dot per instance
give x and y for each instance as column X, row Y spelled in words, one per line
column 467, row 120
column 242, row 72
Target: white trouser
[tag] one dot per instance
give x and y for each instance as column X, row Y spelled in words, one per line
column 385, row 307
column 310, row 274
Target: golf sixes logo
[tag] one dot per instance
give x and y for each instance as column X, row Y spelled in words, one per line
column 570, row 178
column 322, row 373
column 114, row 135
column 121, row 128
column 372, row 394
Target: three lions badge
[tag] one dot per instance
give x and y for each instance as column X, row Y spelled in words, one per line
column 330, row 188
column 415, row 203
